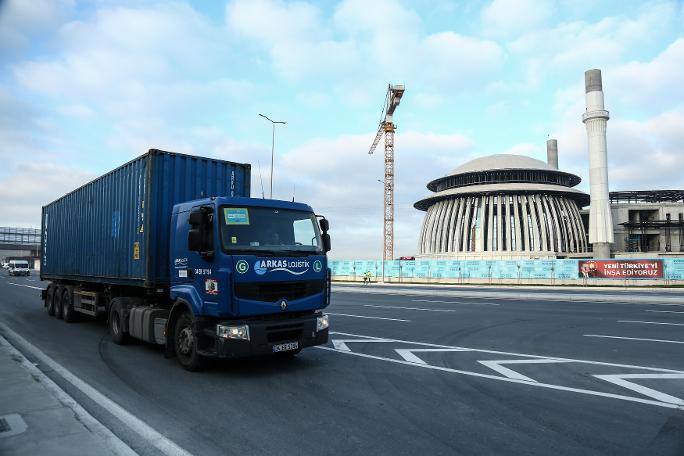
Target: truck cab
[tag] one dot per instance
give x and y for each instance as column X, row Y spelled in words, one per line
column 252, row 272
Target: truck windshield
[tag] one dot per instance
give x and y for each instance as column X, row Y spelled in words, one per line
column 269, row 230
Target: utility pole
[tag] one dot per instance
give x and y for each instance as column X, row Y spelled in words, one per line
column 273, row 123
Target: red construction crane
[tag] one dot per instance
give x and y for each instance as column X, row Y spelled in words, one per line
column 388, row 127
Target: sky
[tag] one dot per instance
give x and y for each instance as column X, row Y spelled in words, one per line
column 88, row 85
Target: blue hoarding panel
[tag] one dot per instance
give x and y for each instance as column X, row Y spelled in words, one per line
column 116, row 228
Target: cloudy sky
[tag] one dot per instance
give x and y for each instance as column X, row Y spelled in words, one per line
column 86, row 86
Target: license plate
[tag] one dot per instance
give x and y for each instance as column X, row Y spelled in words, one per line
column 285, row 347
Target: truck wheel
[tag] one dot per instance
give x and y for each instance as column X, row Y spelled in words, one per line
column 57, row 302
column 186, row 344
column 116, row 324
column 49, row 301
column 68, row 311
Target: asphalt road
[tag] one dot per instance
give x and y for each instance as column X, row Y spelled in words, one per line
column 403, row 374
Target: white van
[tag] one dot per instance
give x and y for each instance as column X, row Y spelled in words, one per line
column 18, row 267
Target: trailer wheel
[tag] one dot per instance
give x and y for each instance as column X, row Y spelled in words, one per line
column 59, row 303
column 49, row 300
column 68, row 311
column 116, row 324
column 186, row 344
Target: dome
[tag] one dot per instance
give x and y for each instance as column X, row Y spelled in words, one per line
column 503, row 206
column 501, row 161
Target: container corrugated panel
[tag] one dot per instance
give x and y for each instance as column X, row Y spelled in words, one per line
column 115, row 229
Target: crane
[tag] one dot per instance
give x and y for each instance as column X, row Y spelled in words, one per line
column 388, row 127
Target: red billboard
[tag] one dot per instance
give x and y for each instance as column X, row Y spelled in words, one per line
column 621, row 269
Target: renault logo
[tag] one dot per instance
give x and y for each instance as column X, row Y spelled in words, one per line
column 283, row 305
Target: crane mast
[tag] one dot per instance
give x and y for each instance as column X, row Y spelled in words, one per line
column 388, row 127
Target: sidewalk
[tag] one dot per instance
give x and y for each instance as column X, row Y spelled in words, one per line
column 38, row 417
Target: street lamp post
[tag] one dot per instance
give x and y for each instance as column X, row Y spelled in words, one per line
column 273, row 123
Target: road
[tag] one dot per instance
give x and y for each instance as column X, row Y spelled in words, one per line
column 403, row 374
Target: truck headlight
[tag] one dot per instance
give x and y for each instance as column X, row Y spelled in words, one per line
column 240, row 332
column 321, row 322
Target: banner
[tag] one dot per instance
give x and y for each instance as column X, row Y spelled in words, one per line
column 620, row 269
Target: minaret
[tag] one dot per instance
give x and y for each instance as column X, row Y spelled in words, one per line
column 595, row 118
column 552, row 152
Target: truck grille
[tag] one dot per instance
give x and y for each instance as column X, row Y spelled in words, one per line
column 273, row 291
column 282, row 333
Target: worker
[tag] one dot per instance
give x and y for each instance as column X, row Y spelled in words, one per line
column 367, row 277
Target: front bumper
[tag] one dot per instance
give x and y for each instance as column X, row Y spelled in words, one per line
column 264, row 334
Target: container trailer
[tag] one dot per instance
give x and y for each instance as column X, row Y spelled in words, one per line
column 170, row 249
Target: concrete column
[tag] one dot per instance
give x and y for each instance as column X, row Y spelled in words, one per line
column 490, row 222
column 467, row 215
column 499, row 228
column 552, row 152
column 543, row 223
column 448, row 220
column 595, row 119
column 452, row 225
column 481, row 229
column 526, row 225
column 459, row 222
column 518, row 224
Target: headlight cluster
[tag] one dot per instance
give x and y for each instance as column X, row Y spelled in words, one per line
column 321, row 322
column 240, row 332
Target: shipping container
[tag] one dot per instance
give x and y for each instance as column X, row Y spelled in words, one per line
column 115, row 229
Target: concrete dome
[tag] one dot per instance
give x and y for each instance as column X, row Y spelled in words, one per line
column 503, row 206
column 501, row 161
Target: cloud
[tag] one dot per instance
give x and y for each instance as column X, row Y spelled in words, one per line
column 578, row 44
column 21, row 20
column 511, row 17
column 32, row 185
column 340, row 180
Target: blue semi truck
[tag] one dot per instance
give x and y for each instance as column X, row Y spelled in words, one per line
column 171, row 250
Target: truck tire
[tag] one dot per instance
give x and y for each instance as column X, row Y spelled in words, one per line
column 49, row 300
column 57, row 303
column 68, row 312
column 185, row 342
column 115, row 323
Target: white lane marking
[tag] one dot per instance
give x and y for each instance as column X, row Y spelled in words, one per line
column 457, row 302
column 410, row 308
column 635, row 338
column 115, row 445
column 408, row 354
column 27, row 286
column 510, row 373
column 667, row 311
column 512, row 380
column 365, row 316
column 650, row 392
column 341, row 344
column 650, row 322
column 137, row 425
column 496, row 352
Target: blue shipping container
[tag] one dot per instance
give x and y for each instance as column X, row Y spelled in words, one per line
column 115, row 229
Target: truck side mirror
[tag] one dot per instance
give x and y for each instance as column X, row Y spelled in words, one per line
column 325, row 226
column 325, row 237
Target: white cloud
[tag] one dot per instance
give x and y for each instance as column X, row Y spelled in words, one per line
column 32, row 185
column 510, row 17
column 339, row 179
column 21, row 20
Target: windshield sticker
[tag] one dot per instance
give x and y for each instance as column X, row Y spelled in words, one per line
column 236, row 215
column 233, row 239
column 294, row 267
